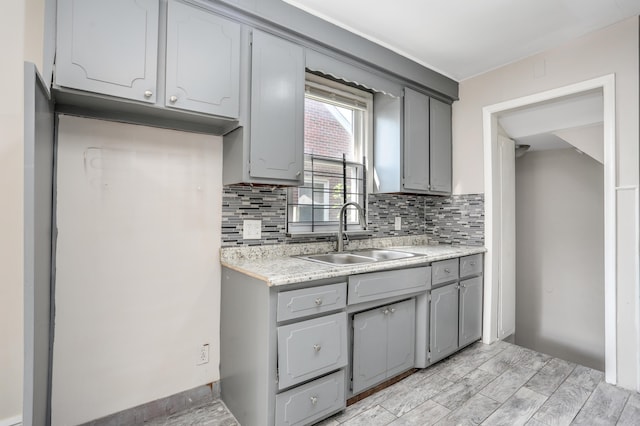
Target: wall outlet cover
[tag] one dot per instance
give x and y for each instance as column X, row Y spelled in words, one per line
column 252, row 229
column 203, row 354
column 398, row 223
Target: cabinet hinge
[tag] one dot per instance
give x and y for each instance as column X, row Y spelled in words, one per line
column 277, row 375
column 429, row 356
column 429, row 297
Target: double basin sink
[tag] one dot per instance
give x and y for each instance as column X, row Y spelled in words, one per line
column 359, row 256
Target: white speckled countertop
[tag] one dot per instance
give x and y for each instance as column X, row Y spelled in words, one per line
column 275, row 265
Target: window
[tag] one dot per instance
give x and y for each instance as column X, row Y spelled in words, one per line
column 336, row 147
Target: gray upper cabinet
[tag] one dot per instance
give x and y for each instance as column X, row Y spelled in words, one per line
column 203, row 61
column 108, row 47
column 416, row 141
column 440, row 146
column 268, row 148
column 277, row 108
column 126, row 60
column 412, row 144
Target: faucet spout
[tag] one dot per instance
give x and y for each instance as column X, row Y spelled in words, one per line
column 340, row 246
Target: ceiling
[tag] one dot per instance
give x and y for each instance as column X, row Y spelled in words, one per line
column 465, row 38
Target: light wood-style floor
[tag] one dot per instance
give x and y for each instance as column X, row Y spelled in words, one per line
column 498, row 384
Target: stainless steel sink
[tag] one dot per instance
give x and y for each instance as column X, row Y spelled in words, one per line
column 360, row 256
column 340, row 258
column 380, row 254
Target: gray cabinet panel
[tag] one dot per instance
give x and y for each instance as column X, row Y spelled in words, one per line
column 108, row 47
column 444, row 271
column 380, row 285
column 312, row 401
column 309, row 301
column 440, row 146
column 470, row 265
column 387, row 145
column 470, row 311
column 310, row 348
column 416, row 141
column 369, row 349
column 444, row 321
column 401, row 337
column 277, row 108
column 203, row 61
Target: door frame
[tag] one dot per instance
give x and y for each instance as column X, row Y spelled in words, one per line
column 492, row 263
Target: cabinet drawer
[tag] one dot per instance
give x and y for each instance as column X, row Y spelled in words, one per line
column 444, row 271
column 470, row 265
column 380, row 285
column 311, row 402
column 309, row 301
column 310, row 348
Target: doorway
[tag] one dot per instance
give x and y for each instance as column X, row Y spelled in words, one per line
column 495, row 287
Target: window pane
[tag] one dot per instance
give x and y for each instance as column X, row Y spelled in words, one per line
column 328, row 130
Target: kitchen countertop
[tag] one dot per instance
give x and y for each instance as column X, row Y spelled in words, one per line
column 277, row 265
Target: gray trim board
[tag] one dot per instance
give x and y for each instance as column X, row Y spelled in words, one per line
column 39, row 151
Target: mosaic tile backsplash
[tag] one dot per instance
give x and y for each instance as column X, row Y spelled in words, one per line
column 458, row 219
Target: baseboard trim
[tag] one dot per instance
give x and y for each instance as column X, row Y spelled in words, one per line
column 11, row 421
column 160, row 407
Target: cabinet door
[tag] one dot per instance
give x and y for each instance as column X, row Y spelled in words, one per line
column 440, row 146
column 369, row 348
column 470, row 310
column 416, row 141
column 203, row 61
column 277, row 109
column 444, row 321
column 401, row 321
column 108, row 47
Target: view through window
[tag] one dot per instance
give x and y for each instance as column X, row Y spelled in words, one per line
column 335, row 141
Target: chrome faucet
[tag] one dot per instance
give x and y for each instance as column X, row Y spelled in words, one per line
column 341, row 226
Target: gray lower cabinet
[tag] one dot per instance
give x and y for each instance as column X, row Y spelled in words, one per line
column 269, row 146
column 284, row 350
column 470, row 310
column 444, row 321
column 456, row 306
column 383, row 343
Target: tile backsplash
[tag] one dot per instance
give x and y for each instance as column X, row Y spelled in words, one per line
column 458, row 219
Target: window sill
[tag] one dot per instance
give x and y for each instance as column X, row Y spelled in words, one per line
column 353, row 235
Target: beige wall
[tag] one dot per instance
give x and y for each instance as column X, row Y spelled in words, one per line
column 11, row 221
column 560, row 255
column 613, row 50
column 138, row 274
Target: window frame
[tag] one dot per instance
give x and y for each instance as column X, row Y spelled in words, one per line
column 321, row 89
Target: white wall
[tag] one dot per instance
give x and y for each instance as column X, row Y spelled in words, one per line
column 12, row 27
column 138, row 274
column 613, row 50
column 560, row 255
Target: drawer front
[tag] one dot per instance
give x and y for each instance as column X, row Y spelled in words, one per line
column 310, row 301
column 470, row 265
column 380, row 285
column 444, row 271
column 309, row 403
column 310, row 348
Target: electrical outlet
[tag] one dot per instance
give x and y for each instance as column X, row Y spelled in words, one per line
column 251, row 229
column 398, row 223
column 203, row 354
